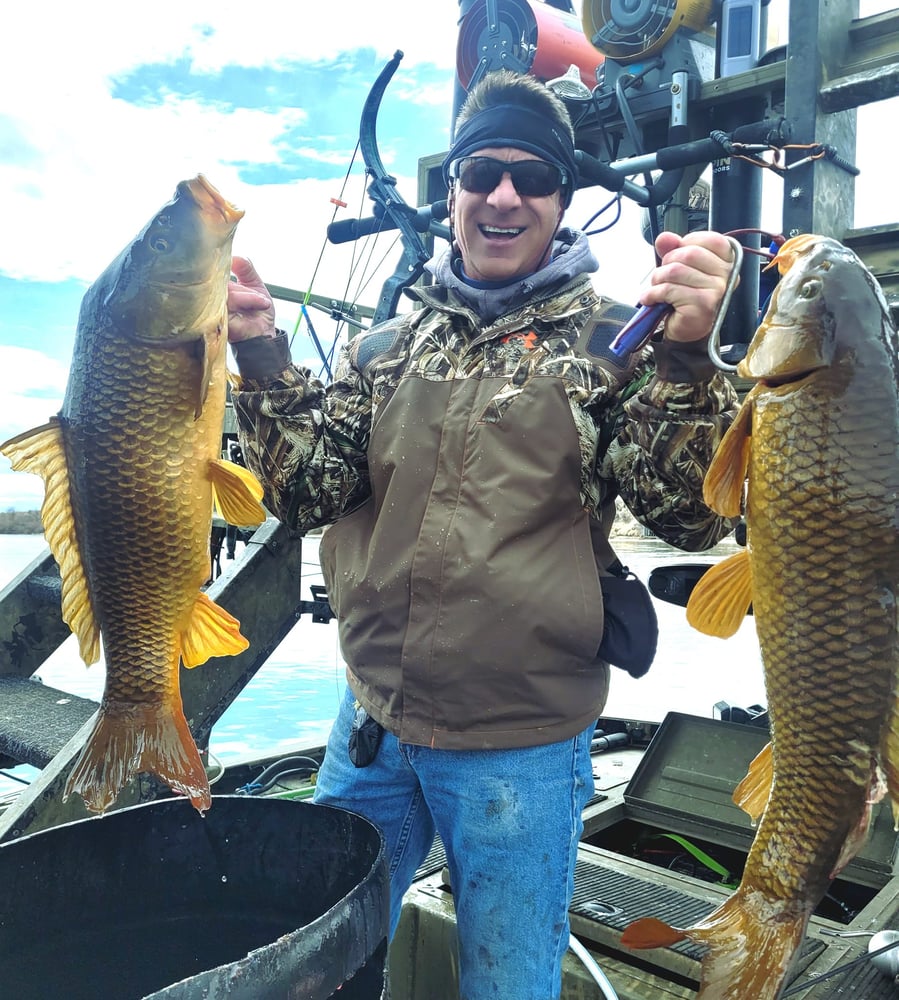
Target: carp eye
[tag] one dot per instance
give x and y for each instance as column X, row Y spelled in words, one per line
column 810, row 288
column 160, row 244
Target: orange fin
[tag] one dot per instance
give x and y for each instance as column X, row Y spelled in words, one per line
column 752, row 793
column 720, row 600
column 889, row 758
column 649, row 932
column 751, row 941
column 202, row 373
column 237, row 493
column 211, row 631
column 723, row 486
column 42, row 452
column 129, row 738
column 856, row 837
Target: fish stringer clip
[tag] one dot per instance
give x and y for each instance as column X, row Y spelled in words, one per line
column 635, row 334
column 714, row 346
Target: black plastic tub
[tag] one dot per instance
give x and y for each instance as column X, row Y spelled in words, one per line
column 259, row 899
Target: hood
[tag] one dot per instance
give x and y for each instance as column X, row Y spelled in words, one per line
column 571, row 256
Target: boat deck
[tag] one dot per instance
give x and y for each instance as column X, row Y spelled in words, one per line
column 613, row 888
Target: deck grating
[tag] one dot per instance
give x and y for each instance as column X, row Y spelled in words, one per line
column 865, row 982
column 615, row 899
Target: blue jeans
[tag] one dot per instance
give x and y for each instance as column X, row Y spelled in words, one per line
column 510, row 821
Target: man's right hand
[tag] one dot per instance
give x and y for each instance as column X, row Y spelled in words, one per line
column 251, row 312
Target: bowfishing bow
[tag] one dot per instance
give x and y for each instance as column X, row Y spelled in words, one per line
column 391, row 209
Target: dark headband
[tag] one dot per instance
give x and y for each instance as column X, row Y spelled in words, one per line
column 520, row 128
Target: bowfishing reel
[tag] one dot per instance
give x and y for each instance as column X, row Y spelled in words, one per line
column 644, row 44
column 527, row 36
column 616, row 62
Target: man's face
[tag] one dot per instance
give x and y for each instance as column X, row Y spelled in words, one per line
column 503, row 234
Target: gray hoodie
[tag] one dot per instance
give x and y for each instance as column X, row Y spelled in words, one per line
column 571, row 256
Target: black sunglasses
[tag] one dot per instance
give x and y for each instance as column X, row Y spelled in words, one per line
column 532, row 178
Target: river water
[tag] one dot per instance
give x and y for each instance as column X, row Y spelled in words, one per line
column 294, row 696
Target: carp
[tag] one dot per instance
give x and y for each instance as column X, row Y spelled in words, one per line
column 132, row 467
column 817, row 442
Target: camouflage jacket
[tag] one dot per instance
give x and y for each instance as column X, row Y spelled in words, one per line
column 462, row 468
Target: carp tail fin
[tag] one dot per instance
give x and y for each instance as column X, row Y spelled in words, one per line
column 751, row 944
column 650, row 932
column 127, row 739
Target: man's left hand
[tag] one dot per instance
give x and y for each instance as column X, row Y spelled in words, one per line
column 691, row 278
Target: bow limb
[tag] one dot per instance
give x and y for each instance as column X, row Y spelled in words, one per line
column 388, row 201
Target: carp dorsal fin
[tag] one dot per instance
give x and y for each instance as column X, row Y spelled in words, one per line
column 720, row 600
column 42, row 452
column 753, row 792
column 211, row 631
column 236, row 493
column 723, row 486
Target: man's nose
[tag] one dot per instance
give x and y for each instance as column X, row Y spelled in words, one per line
column 505, row 192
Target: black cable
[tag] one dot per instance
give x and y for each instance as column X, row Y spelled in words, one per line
column 277, row 770
column 809, row 983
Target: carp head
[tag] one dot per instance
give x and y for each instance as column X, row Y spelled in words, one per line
column 820, row 312
column 169, row 286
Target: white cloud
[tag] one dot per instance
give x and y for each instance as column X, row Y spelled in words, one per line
column 71, row 218
column 35, row 388
column 81, row 172
column 19, row 490
column 106, row 36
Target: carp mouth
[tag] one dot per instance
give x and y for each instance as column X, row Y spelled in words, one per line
column 776, row 368
column 778, row 381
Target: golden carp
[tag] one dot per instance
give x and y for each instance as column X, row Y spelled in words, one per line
column 131, row 467
column 818, row 440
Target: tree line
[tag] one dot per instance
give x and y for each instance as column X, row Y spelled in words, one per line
column 20, row 522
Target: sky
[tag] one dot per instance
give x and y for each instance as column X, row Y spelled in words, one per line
column 105, row 106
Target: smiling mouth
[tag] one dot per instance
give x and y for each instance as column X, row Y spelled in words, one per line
column 501, row 232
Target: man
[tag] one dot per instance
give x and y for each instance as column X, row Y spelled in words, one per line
column 464, row 454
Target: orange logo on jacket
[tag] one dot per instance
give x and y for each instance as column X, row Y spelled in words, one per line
column 528, row 339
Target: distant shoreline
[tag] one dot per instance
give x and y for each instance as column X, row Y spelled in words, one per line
column 21, row 522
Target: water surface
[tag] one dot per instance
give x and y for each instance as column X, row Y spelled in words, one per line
column 292, row 699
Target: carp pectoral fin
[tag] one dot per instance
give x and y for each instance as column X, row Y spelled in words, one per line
column 889, row 758
column 199, row 384
column 42, row 452
column 131, row 738
column 720, row 600
column 236, row 493
column 753, row 792
column 855, row 840
column 211, row 631
column 722, row 489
